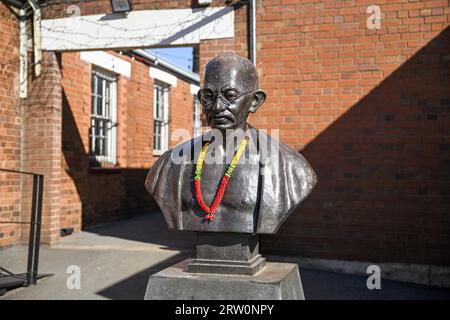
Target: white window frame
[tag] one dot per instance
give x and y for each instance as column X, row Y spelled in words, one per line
column 197, row 121
column 107, row 118
column 160, row 120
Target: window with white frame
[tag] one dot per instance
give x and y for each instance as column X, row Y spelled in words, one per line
column 197, row 123
column 160, row 118
column 103, row 131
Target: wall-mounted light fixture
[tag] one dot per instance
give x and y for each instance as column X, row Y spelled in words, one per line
column 120, row 6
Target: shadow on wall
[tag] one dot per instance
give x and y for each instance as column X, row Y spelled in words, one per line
column 105, row 194
column 384, row 173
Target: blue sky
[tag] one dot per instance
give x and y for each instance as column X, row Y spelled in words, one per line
column 181, row 56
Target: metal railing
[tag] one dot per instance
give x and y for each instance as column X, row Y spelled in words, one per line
column 35, row 227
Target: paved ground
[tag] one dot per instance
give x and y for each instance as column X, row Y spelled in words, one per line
column 116, row 259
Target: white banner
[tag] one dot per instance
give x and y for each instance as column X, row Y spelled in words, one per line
column 137, row 29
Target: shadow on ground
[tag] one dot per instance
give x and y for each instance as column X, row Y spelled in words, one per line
column 133, row 288
column 323, row 285
column 151, row 228
column 147, row 228
column 317, row 285
column 117, row 259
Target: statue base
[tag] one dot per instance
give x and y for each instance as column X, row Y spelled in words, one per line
column 276, row 281
column 227, row 253
column 248, row 268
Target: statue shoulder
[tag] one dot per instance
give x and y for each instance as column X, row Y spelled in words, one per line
column 165, row 163
column 292, row 162
column 154, row 173
column 288, row 179
column 299, row 168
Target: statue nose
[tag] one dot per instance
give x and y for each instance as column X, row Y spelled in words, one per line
column 218, row 105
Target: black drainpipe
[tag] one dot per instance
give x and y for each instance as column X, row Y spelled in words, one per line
column 251, row 14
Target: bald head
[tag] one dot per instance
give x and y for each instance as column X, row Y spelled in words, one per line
column 233, row 68
column 230, row 91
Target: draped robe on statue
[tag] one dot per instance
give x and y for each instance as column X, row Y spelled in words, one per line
column 268, row 183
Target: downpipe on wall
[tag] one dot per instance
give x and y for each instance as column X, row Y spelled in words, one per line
column 23, row 8
column 252, row 30
column 37, row 43
column 23, row 68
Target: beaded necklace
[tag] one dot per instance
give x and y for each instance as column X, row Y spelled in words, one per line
column 210, row 211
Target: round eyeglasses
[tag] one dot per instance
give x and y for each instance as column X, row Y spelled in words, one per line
column 208, row 96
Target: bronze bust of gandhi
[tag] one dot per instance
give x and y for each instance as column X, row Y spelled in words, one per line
column 234, row 178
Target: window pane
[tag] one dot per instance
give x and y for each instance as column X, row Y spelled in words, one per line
column 100, row 87
column 97, row 127
column 107, row 99
column 156, row 134
column 103, row 126
column 161, row 109
column 101, row 133
column 161, row 103
column 161, row 117
column 94, row 92
column 97, row 146
column 105, row 152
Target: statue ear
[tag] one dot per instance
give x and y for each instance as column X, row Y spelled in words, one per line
column 258, row 99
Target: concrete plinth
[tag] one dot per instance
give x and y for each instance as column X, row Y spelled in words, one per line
column 276, row 281
column 227, row 253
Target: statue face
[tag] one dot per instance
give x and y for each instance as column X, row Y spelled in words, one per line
column 229, row 93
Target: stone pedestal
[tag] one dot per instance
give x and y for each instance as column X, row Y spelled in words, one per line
column 276, row 281
column 227, row 253
column 228, row 266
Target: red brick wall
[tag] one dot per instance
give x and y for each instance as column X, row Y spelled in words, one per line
column 139, row 134
column 10, row 127
column 59, row 8
column 41, row 146
column 75, row 137
column 96, row 195
column 71, row 191
column 181, row 112
column 29, row 137
column 369, row 110
column 209, row 49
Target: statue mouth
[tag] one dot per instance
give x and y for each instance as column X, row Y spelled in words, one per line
column 221, row 120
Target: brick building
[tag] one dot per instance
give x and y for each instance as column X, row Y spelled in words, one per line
column 93, row 123
column 367, row 106
column 114, row 154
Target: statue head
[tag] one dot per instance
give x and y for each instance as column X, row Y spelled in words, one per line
column 230, row 92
